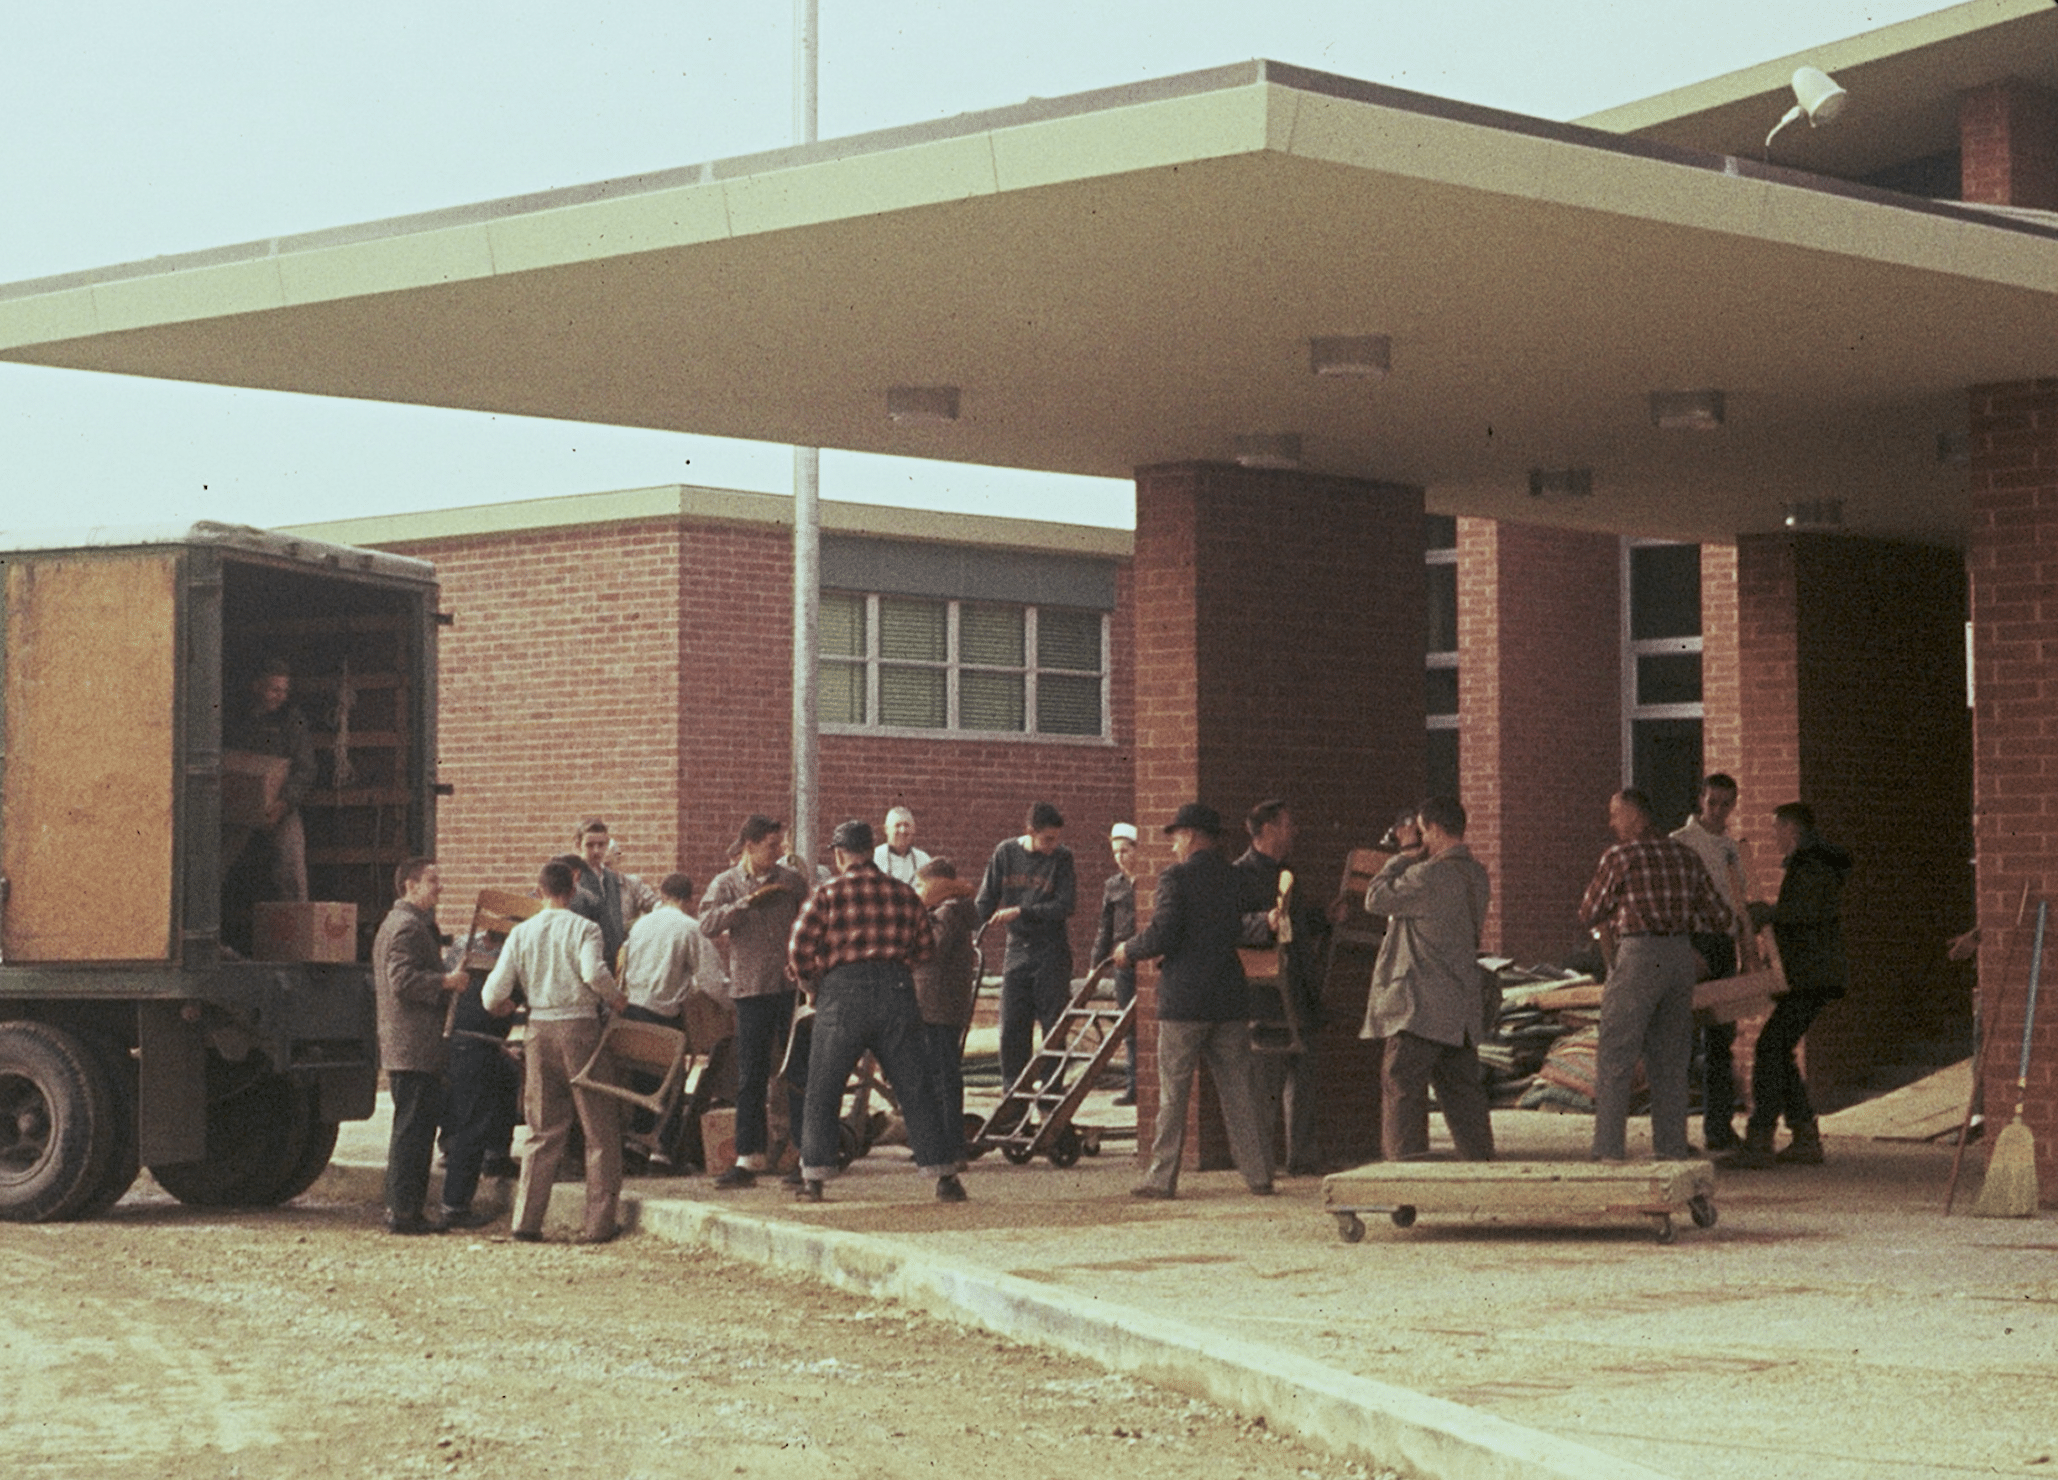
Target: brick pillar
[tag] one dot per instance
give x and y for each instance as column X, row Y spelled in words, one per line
column 1540, row 721
column 1279, row 621
column 2008, row 146
column 1850, row 658
column 2014, row 489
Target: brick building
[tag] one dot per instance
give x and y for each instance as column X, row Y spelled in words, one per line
column 1825, row 358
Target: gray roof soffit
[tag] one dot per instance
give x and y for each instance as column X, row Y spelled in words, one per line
column 1035, row 110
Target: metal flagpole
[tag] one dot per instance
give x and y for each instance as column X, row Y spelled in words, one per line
column 807, row 508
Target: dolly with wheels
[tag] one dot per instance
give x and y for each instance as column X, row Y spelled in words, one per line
column 1523, row 1192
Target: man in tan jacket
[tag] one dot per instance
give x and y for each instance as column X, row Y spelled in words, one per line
column 1428, row 990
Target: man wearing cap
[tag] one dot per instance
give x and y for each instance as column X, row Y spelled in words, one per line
column 752, row 907
column 1203, row 1002
column 856, row 940
column 898, row 857
column 1117, row 924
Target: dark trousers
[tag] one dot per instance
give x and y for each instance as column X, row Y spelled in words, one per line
column 417, row 1110
column 762, row 1026
column 1035, row 988
column 870, row 1005
column 1717, row 1044
column 942, row 1044
column 482, row 1094
column 1776, row 1085
column 1287, row 1097
column 1412, row 1065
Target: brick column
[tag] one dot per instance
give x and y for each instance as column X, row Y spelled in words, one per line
column 2008, row 146
column 1279, row 630
column 1850, row 681
column 1539, row 721
column 2014, row 576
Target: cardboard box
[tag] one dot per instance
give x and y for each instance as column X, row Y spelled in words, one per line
column 320, row 930
column 251, row 783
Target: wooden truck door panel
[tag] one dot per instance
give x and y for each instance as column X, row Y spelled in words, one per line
column 87, row 777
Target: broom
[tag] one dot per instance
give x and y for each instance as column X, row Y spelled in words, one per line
column 1974, row 1100
column 2010, row 1190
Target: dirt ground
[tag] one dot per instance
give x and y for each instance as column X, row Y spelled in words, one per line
column 307, row 1340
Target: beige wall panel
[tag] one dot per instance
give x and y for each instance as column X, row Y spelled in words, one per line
column 88, row 788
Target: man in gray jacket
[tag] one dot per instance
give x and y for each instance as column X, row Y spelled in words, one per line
column 412, row 991
column 1428, row 990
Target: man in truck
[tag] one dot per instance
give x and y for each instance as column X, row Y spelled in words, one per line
column 271, row 725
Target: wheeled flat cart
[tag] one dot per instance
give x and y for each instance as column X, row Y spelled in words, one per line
column 1522, row 1192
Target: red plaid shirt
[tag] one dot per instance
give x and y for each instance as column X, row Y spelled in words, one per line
column 1654, row 886
column 860, row 915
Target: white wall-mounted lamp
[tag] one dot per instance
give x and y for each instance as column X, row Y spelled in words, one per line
column 922, row 405
column 1816, row 98
column 1268, row 450
column 1815, row 513
column 1687, row 411
column 1554, row 485
column 1353, row 354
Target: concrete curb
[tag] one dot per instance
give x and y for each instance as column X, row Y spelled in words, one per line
column 1355, row 1417
column 1345, row 1414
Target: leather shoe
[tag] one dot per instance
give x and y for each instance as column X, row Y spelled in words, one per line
column 411, row 1225
column 467, row 1217
column 1125, row 1099
column 602, row 1236
column 736, row 1176
column 809, row 1191
column 1263, row 1189
column 1151, row 1192
column 950, row 1189
column 527, row 1235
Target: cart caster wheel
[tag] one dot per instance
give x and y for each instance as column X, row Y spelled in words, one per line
column 1350, row 1228
column 1017, row 1155
column 1403, row 1216
column 1666, row 1232
column 1702, row 1210
column 1090, row 1143
column 1066, row 1146
column 974, row 1147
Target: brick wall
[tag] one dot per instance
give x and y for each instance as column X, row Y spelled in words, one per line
column 1851, row 658
column 2008, row 145
column 2014, row 581
column 559, row 691
column 1279, row 637
column 1540, row 716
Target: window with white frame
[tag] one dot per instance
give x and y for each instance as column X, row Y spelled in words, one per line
column 1662, row 708
column 1440, row 536
column 909, row 663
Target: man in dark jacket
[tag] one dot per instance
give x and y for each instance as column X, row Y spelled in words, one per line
column 410, row 987
column 1117, row 924
column 1286, row 1081
column 1807, row 926
column 1029, row 887
column 1203, row 1002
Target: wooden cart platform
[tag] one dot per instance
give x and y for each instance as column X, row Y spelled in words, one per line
column 1522, row 1192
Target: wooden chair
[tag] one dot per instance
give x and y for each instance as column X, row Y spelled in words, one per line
column 653, row 1049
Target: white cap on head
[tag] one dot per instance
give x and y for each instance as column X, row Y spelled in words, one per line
column 1122, row 830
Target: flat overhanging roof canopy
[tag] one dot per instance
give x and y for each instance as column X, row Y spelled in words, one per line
column 1132, row 277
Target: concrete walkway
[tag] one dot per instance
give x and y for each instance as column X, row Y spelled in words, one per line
column 1831, row 1326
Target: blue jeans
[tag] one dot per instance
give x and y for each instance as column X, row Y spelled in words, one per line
column 481, row 1090
column 870, row 1005
column 762, row 1025
column 942, row 1042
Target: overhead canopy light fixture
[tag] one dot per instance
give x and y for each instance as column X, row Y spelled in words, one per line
column 1816, row 98
column 1356, row 354
column 1557, row 484
column 1816, row 513
column 1687, row 411
column 1269, row 450
column 922, row 405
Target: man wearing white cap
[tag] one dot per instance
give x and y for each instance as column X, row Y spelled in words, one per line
column 1117, row 924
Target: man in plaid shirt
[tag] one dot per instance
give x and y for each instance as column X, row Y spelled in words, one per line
column 855, row 940
column 1648, row 894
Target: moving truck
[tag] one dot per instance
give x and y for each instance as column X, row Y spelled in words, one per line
column 156, row 1007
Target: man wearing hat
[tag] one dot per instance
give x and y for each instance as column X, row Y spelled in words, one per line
column 752, row 906
column 1203, row 1003
column 1117, row 924
column 856, row 940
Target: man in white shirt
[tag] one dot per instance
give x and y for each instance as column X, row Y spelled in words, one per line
column 1707, row 833
column 898, row 857
column 556, row 960
column 667, row 956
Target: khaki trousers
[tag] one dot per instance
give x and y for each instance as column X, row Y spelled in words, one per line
column 551, row 1054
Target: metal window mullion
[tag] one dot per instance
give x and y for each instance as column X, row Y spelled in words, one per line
column 872, row 712
column 1626, row 661
column 1107, row 680
column 1032, row 660
column 951, row 720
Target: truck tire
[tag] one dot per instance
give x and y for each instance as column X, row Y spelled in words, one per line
column 258, row 1124
column 122, row 1166
column 316, row 1139
column 59, row 1131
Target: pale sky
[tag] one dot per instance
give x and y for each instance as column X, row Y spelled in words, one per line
column 129, row 129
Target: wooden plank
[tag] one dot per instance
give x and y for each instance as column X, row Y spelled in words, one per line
column 1922, row 1111
column 1520, row 1189
column 92, row 690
